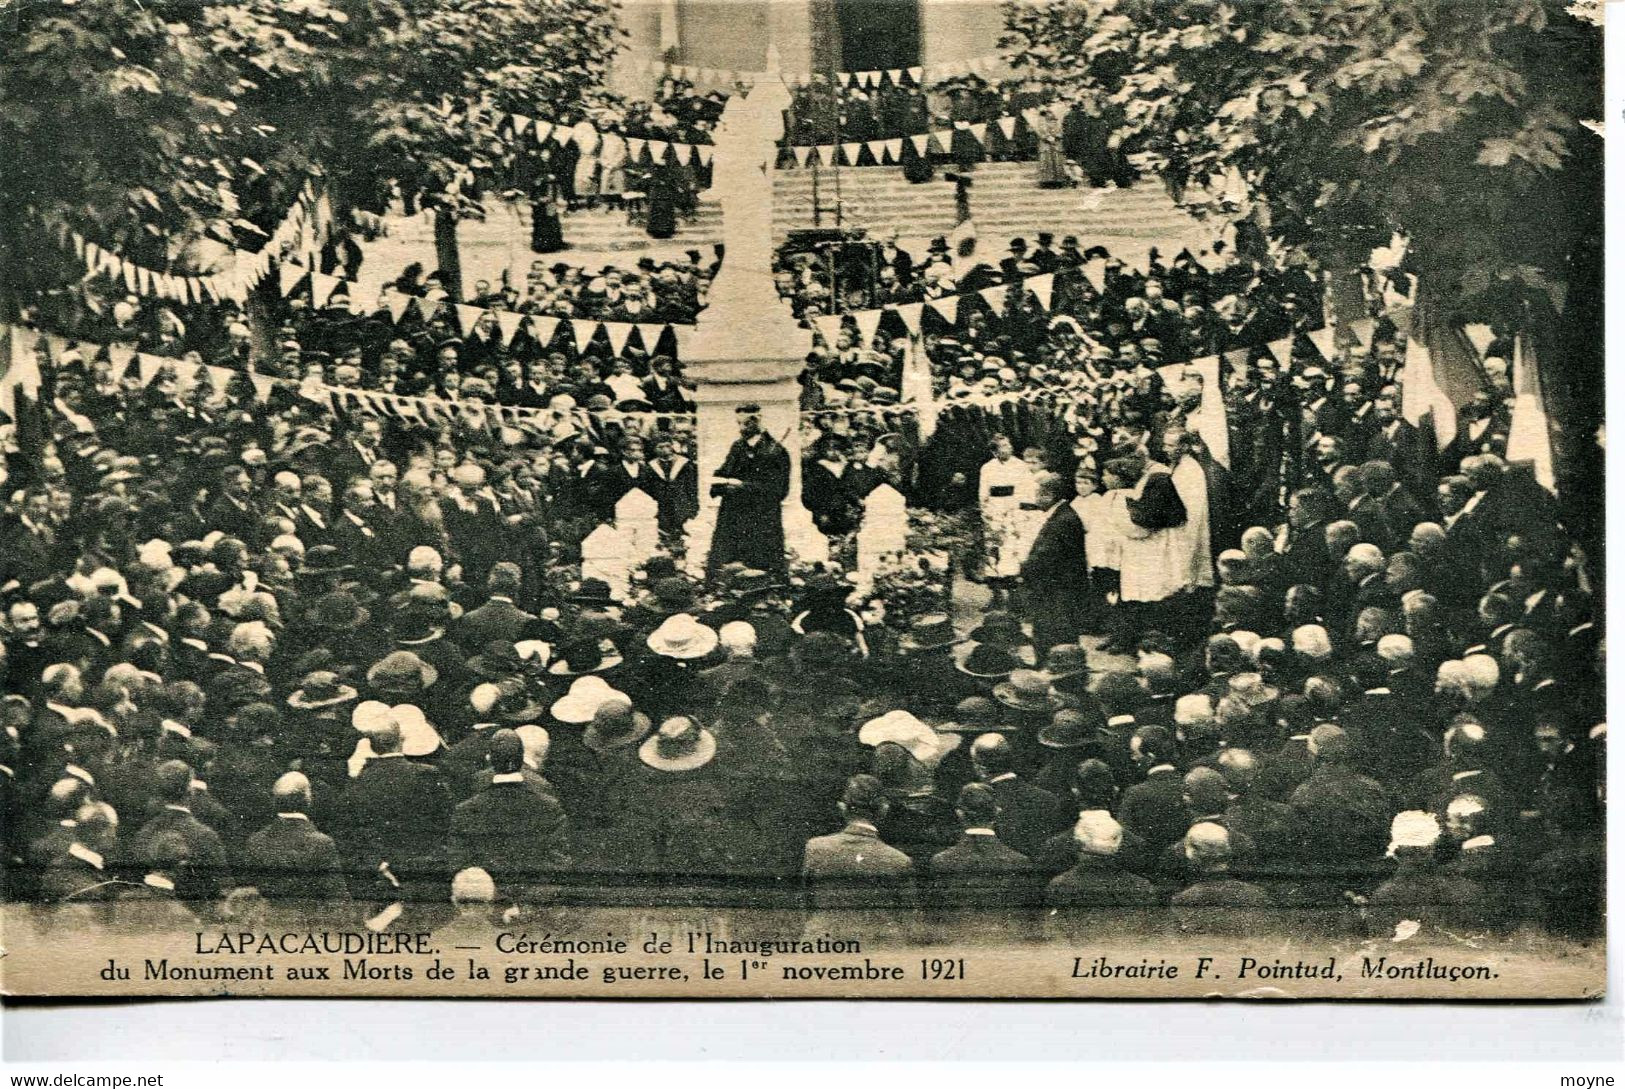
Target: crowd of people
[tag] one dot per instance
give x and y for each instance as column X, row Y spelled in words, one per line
column 303, row 659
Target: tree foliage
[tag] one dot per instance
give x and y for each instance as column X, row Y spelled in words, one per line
column 151, row 125
column 1333, row 123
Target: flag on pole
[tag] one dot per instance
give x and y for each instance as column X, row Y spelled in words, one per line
column 1530, row 437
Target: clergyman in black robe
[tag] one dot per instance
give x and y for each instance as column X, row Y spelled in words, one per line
column 753, row 481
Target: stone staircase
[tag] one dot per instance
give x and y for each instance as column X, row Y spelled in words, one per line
column 1004, row 203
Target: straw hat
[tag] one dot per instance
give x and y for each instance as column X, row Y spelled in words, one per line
column 585, row 696
column 681, row 744
column 683, row 638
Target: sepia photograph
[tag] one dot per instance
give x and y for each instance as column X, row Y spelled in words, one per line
column 865, row 499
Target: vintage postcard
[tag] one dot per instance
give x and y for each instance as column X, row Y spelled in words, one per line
column 747, row 498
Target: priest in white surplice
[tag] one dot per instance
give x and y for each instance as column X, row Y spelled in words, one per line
column 1006, row 483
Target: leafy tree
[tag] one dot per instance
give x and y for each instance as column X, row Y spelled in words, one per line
column 445, row 73
column 1333, row 123
column 113, row 121
column 151, row 127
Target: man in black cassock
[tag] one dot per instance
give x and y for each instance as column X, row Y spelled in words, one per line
column 753, row 480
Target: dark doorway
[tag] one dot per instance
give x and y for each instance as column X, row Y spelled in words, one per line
column 877, row 34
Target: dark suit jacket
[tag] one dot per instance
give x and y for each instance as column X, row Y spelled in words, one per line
column 289, row 859
column 398, row 812
column 1027, row 815
column 206, row 857
column 980, row 871
column 511, row 831
column 1155, row 808
column 1222, row 905
column 1056, row 576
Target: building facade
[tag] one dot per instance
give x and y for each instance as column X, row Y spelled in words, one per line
column 810, row 35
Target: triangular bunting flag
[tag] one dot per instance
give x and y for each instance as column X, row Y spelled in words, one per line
column 1095, row 272
column 1030, row 115
column 921, row 142
column 583, row 332
column 947, row 306
column 657, row 151
column 508, row 322
column 868, row 322
column 910, row 313
column 702, row 152
column 617, row 331
column 543, row 327
column 944, row 139
column 894, row 148
column 685, row 153
column 895, row 75
column 845, row 78
column 650, row 335
column 1043, row 287
column 801, row 151
column 396, row 303
column 1282, row 350
column 288, row 278
column 1480, row 337
column 826, row 154
column 467, row 316
column 915, row 73
column 1007, row 125
column 262, row 385
column 994, row 297
column 541, row 130
column 635, row 147
column 877, row 148
column 1325, row 340
column 829, row 327
column 851, row 151
column 979, row 131
column 321, row 289
column 520, row 124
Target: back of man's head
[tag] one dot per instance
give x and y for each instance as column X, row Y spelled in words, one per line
column 1240, row 770
column 505, row 752
column 504, row 579
column 1094, row 785
column 173, row 782
column 291, row 793
column 1206, row 792
column 992, row 755
column 864, row 798
column 977, row 805
column 1156, row 744
column 1207, row 846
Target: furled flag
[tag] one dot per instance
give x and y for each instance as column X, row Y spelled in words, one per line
column 1530, row 436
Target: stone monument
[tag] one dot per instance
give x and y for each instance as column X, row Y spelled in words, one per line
column 746, row 346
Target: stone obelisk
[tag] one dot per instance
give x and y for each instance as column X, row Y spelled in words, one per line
column 746, row 346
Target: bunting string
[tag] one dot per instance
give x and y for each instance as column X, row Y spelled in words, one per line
column 913, row 75
column 303, row 230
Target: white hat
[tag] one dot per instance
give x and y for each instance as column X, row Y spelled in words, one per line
column 1395, row 648
column 682, row 637
column 587, row 694
column 536, row 742
column 1413, row 828
column 533, row 650
column 1248, row 642
column 369, row 715
column 418, row 737
column 1312, row 640
column 902, row 728
column 1482, row 670
column 1195, row 707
